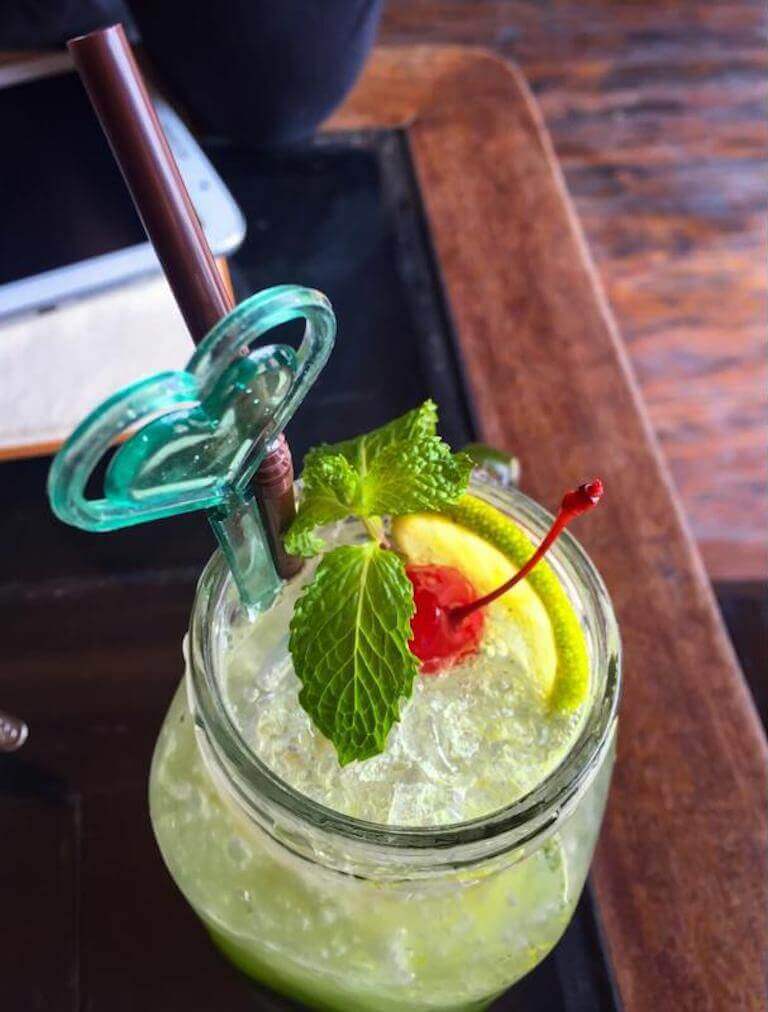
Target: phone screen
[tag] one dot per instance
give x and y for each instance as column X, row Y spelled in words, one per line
column 61, row 194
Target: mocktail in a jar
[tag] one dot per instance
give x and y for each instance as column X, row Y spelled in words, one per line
column 382, row 792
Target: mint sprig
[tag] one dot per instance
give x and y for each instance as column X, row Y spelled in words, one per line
column 351, row 626
column 331, row 487
column 403, row 467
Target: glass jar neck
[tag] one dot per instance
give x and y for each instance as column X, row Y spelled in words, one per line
column 328, row 837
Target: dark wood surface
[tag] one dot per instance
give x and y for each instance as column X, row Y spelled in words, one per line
column 657, row 113
column 550, row 379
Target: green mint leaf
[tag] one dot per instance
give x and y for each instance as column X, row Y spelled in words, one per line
column 349, row 642
column 408, row 477
column 410, row 427
column 400, row 468
column 331, row 487
column 300, row 539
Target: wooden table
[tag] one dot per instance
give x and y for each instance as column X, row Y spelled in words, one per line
column 550, row 379
column 657, row 114
column 678, row 879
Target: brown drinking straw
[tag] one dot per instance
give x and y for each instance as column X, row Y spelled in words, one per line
column 115, row 86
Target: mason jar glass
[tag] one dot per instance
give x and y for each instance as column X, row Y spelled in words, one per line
column 343, row 914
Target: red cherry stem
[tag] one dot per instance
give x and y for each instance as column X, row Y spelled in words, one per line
column 574, row 503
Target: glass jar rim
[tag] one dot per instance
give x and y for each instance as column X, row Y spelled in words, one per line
column 267, row 797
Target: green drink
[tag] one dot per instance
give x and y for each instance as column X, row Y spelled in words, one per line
column 431, row 876
column 381, row 780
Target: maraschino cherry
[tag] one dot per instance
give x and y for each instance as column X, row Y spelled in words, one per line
column 448, row 622
column 438, row 641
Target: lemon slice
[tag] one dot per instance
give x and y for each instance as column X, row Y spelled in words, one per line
column 430, row 538
column 489, row 548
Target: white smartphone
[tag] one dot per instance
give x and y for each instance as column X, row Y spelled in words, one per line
column 69, row 226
